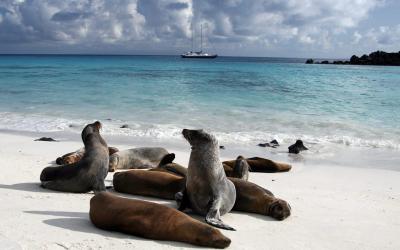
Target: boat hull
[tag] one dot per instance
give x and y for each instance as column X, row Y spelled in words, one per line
column 200, row 57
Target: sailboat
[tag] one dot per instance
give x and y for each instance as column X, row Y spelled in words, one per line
column 198, row 54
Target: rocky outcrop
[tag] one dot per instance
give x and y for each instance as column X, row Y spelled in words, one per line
column 375, row 58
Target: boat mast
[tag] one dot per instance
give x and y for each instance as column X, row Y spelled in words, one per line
column 192, row 37
column 201, row 37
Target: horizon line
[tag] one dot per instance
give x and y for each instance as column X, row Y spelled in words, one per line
column 89, row 54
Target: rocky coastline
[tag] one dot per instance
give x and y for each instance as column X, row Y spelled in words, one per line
column 375, row 58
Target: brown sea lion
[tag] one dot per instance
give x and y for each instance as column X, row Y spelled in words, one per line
column 240, row 169
column 151, row 220
column 85, row 175
column 77, row 155
column 258, row 164
column 148, row 183
column 137, row 158
column 250, row 197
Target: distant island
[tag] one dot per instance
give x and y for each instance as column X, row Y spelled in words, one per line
column 375, row 58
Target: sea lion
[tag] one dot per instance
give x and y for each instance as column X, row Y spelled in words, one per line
column 207, row 189
column 151, row 220
column 297, row 147
column 137, row 158
column 45, row 139
column 167, row 165
column 258, row 164
column 239, row 170
column 158, row 184
column 250, row 197
column 273, row 144
column 85, row 175
column 75, row 156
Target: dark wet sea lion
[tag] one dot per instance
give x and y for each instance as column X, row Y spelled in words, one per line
column 151, row 220
column 273, row 144
column 239, row 170
column 77, row 155
column 250, row 197
column 297, row 147
column 137, row 158
column 258, row 164
column 209, row 191
column 85, row 175
column 148, row 183
column 45, row 139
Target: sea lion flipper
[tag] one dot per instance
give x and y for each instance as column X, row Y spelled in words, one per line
column 213, row 219
column 182, row 200
column 213, row 216
column 98, row 186
column 168, row 158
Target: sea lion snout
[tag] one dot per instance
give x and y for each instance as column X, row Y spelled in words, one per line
column 279, row 209
column 98, row 125
column 198, row 136
column 113, row 163
column 221, row 241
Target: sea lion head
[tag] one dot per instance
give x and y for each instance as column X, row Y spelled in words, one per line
column 300, row 145
column 90, row 129
column 241, row 168
column 113, row 162
column 199, row 137
column 279, row 209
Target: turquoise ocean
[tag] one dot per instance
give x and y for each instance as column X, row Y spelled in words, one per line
column 345, row 114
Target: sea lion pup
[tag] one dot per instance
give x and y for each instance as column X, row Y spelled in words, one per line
column 151, row 220
column 85, row 175
column 258, row 164
column 250, row 197
column 207, row 189
column 239, row 170
column 137, row 158
column 75, row 156
column 158, row 184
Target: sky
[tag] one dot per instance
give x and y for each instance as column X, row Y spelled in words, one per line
column 268, row 28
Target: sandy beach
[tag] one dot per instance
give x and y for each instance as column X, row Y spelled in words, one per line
column 332, row 207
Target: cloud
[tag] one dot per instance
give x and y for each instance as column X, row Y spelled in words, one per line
column 66, row 16
column 168, row 24
column 384, row 35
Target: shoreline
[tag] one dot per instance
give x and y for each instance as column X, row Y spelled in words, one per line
column 333, row 208
column 319, row 154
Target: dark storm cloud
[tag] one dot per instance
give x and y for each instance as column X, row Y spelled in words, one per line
column 66, row 16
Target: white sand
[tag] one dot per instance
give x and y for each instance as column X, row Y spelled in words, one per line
column 333, row 207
